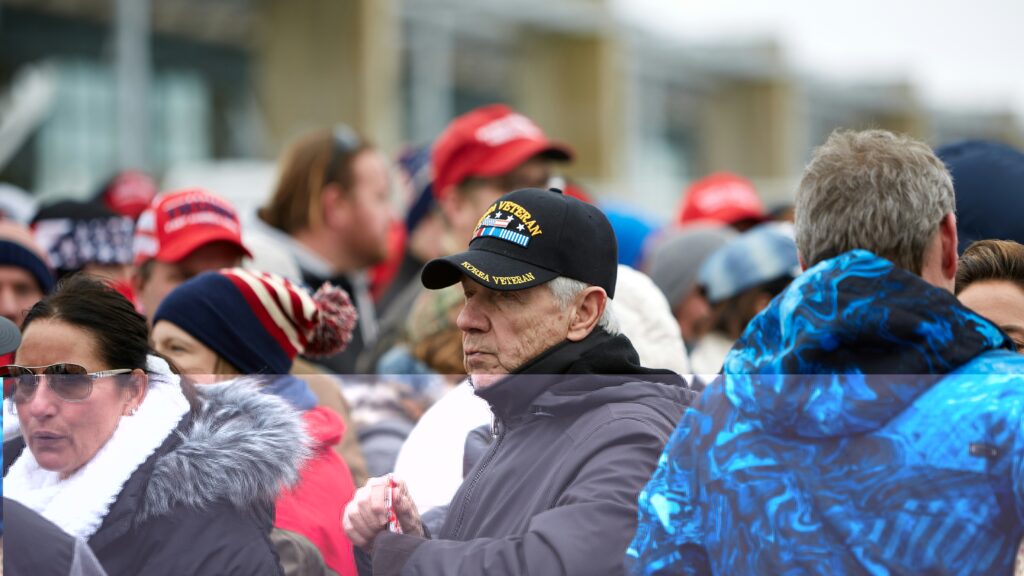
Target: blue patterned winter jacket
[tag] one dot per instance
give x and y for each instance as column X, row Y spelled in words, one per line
column 866, row 423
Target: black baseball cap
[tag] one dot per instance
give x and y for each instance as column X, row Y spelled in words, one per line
column 529, row 237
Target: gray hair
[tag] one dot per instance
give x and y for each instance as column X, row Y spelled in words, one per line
column 873, row 190
column 565, row 290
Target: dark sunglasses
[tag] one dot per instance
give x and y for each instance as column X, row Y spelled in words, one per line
column 70, row 382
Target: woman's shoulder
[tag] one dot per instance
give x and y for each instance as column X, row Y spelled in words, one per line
column 239, row 448
column 206, row 497
column 217, row 539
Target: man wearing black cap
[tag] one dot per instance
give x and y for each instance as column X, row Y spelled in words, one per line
column 578, row 423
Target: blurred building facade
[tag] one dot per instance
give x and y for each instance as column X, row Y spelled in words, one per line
column 231, row 79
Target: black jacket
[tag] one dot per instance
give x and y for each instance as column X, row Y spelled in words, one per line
column 203, row 502
column 578, row 432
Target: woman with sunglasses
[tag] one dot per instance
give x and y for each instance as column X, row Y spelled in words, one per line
column 116, row 449
column 233, row 321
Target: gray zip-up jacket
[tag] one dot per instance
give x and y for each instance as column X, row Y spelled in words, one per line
column 577, row 434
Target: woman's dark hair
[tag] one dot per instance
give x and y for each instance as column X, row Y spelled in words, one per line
column 991, row 260
column 121, row 334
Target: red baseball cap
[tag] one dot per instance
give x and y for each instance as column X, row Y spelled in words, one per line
column 177, row 223
column 489, row 141
column 129, row 193
column 721, row 197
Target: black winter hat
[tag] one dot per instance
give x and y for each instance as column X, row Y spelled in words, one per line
column 529, row 237
column 988, row 181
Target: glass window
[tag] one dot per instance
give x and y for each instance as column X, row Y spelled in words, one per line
column 76, row 148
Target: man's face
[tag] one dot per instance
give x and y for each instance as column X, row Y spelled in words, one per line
column 501, row 331
column 370, row 215
column 463, row 219
column 694, row 317
column 19, row 291
column 468, row 205
column 166, row 276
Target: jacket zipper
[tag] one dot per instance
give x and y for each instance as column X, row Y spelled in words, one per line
column 498, row 431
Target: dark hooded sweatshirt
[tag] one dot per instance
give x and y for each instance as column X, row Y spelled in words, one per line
column 577, row 432
column 866, row 424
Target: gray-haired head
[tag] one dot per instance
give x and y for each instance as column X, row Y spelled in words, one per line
column 872, row 190
column 565, row 290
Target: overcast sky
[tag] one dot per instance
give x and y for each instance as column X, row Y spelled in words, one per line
column 958, row 55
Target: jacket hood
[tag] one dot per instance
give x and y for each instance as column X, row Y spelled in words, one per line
column 848, row 346
column 324, row 427
column 242, row 447
column 578, row 376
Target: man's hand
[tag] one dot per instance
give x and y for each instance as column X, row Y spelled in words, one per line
column 365, row 515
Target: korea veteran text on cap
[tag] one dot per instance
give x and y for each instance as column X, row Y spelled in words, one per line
column 529, row 237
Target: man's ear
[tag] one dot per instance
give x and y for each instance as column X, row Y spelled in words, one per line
column 800, row 259
column 333, row 206
column 947, row 231
column 586, row 312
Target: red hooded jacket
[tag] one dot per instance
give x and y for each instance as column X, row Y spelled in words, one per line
column 315, row 506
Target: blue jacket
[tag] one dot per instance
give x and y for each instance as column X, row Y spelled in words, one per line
column 893, row 446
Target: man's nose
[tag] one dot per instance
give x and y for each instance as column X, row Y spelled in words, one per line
column 470, row 318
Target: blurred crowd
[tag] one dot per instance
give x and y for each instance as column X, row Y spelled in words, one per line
column 510, row 377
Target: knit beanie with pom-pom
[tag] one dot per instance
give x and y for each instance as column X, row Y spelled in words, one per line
column 260, row 321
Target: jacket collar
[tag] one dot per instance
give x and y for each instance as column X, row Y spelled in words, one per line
column 559, row 377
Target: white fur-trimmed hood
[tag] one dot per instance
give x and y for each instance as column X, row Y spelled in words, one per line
column 242, row 447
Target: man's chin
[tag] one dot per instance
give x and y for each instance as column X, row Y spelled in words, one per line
column 481, row 381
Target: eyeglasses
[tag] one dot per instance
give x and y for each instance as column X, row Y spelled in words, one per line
column 70, row 382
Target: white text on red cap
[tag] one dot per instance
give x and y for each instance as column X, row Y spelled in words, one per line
column 507, row 129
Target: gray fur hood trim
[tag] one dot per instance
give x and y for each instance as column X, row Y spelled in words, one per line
column 242, row 447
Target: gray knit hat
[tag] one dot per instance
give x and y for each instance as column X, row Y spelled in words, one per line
column 677, row 256
column 10, row 336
